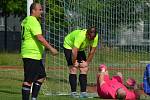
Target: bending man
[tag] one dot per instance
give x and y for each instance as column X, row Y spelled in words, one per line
column 74, row 46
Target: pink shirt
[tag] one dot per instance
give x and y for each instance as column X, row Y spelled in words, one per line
column 131, row 95
column 108, row 89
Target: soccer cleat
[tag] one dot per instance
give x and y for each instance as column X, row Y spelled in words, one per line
column 74, row 94
column 102, row 67
column 83, row 95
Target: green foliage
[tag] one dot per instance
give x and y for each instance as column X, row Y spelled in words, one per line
column 16, row 7
column 116, row 13
column 109, row 14
column 54, row 14
column 54, row 21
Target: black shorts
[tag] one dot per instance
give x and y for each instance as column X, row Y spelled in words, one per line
column 33, row 70
column 68, row 54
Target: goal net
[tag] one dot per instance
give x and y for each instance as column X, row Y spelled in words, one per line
column 124, row 39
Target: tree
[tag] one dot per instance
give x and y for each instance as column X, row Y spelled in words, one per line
column 15, row 7
column 54, row 22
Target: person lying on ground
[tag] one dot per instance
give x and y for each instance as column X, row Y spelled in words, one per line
column 114, row 88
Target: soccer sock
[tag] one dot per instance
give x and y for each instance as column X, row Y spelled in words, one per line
column 73, row 82
column 35, row 89
column 83, row 82
column 26, row 92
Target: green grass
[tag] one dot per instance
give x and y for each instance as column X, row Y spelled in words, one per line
column 105, row 55
column 11, row 81
column 57, row 78
column 5, row 96
column 10, row 59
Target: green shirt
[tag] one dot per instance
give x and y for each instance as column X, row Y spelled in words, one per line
column 78, row 39
column 31, row 47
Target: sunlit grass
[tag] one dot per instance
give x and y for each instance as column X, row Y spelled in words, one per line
column 57, row 71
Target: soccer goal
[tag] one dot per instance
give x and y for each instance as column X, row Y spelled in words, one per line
column 124, row 39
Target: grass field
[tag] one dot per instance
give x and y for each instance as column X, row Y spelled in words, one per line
column 10, row 87
column 57, row 72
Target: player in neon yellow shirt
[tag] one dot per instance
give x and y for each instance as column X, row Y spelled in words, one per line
column 74, row 46
column 32, row 48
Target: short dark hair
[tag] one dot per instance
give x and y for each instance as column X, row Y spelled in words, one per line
column 92, row 30
column 33, row 5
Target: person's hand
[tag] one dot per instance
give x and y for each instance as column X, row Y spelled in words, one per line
column 135, row 86
column 76, row 64
column 83, row 64
column 119, row 74
column 54, row 51
column 131, row 82
column 102, row 68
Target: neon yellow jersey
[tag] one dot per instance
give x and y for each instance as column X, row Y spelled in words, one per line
column 31, row 47
column 78, row 39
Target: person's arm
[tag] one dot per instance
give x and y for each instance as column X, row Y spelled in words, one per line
column 74, row 56
column 91, row 54
column 101, row 78
column 46, row 44
column 89, row 58
column 93, row 49
column 137, row 93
